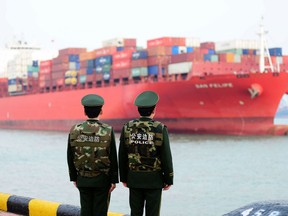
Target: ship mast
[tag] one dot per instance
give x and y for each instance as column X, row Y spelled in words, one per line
column 264, row 52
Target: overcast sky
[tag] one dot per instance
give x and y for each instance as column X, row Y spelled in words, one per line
column 86, row 23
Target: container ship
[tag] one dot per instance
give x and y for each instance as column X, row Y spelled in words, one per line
column 231, row 88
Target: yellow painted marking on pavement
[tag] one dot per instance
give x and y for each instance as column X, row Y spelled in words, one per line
column 114, row 214
column 41, row 207
column 3, row 201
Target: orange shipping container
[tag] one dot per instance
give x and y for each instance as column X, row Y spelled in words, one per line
column 226, row 57
column 87, row 56
column 167, row 41
column 159, row 51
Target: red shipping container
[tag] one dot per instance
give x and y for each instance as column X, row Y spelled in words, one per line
column 179, row 58
column 129, row 42
column 83, row 64
column 45, row 70
column 126, row 54
column 285, row 59
column 82, row 71
column 208, row 45
column 121, row 73
column 90, row 78
column 72, row 51
column 195, row 56
column 139, row 63
column 60, row 59
column 130, row 48
column 121, row 64
column 155, row 60
column 44, row 83
column 60, row 67
column 58, row 75
column 3, row 80
column 60, row 81
column 43, row 77
column 46, row 63
column 105, row 51
column 99, row 76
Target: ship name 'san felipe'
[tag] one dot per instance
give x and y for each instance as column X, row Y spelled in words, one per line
column 214, row 85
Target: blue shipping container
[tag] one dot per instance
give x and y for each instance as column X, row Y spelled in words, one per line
column 190, row 49
column 139, row 55
column 119, row 49
column 275, row 51
column 73, row 58
column 175, row 50
column 99, row 69
column 245, row 51
column 90, row 63
column 35, row 63
column 211, row 51
column 207, row 57
column 153, row 70
column 89, row 71
column 103, row 60
column 11, row 81
column 77, row 65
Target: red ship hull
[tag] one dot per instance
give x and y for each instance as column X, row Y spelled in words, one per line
column 220, row 104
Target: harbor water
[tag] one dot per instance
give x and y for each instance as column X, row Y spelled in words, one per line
column 213, row 174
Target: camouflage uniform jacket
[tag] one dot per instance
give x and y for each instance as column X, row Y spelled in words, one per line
column 102, row 170
column 136, row 151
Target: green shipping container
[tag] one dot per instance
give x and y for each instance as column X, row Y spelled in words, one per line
column 106, row 68
column 82, row 78
column 139, row 71
column 31, row 68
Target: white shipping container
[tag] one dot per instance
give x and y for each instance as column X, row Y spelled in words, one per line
column 236, row 44
column 118, row 42
column 11, row 75
column 179, row 68
column 279, row 59
column 14, row 88
column 237, row 58
column 72, row 65
column 182, row 49
column 22, row 74
column 193, row 42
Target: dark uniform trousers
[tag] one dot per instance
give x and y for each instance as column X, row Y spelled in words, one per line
column 137, row 201
column 94, row 201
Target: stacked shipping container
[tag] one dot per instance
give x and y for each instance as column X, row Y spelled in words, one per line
column 120, row 59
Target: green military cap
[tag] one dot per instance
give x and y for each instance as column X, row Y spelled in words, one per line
column 146, row 99
column 92, row 100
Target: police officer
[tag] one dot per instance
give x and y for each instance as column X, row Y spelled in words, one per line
column 145, row 160
column 92, row 159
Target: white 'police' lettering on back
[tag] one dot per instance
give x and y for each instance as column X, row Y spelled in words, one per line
column 142, row 138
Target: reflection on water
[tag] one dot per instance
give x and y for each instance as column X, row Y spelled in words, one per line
column 213, row 174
